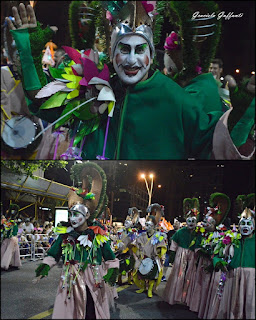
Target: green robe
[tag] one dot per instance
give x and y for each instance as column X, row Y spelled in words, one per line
column 157, row 120
column 103, row 251
column 184, row 236
column 205, row 89
column 244, row 255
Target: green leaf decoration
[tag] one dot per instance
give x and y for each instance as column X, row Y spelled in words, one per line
column 87, row 128
column 61, row 122
column 84, row 265
column 55, row 101
column 56, row 73
column 84, row 112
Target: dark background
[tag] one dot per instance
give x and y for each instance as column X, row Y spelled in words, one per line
column 236, row 47
column 178, row 180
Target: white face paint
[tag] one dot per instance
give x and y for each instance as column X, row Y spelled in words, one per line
column 132, row 59
column 149, row 225
column 191, row 222
column 128, row 223
column 209, row 224
column 77, row 219
column 246, row 226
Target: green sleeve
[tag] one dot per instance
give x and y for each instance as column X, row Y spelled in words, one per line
column 15, row 230
column 56, row 250
column 38, row 38
column 198, row 128
column 30, row 78
column 242, row 128
column 107, row 252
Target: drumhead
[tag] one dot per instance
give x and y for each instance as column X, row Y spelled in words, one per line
column 19, row 132
column 146, row 266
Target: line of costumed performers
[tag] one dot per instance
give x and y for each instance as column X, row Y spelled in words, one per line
column 109, row 82
column 10, row 252
column 213, row 270
column 213, row 267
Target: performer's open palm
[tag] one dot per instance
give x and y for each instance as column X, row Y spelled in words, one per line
column 25, row 19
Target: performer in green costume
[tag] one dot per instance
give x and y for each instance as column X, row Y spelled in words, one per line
column 89, row 264
column 235, row 298
column 138, row 99
column 183, row 255
column 10, row 251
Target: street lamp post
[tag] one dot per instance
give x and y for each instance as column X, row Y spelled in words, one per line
column 151, row 187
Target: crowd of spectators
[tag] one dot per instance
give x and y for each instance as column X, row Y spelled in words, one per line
column 33, row 232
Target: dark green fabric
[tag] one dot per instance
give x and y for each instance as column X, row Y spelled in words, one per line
column 30, row 77
column 15, row 230
column 205, row 89
column 241, row 130
column 38, row 38
column 158, row 120
column 244, row 255
column 104, row 251
column 184, row 236
column 111, row 276
column 42, row 270
column 12, row 232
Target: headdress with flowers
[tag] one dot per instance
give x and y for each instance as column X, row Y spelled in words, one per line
column 93, row 190
column 219, row 206
column 198, row 37
column 191, row 207
column 245, row 205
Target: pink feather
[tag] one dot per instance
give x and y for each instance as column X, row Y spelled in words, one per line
column 50, row 89
column 104, row 74
column 73, row 54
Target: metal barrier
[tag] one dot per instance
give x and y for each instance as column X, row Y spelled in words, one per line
column 33, row 243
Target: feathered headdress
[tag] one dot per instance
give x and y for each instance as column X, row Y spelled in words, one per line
column 191, row 207
column 246, row 205
column 94, row 184
column 134, row 214
column 219, row 207
column 197, row 38
column 156, row 210
column 13, row 211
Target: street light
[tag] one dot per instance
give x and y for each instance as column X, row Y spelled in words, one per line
column 151, row 176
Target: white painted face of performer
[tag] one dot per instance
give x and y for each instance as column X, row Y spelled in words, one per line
column 246, row 226
column 191, row 223
column 209, row 224
column 78, row 217
column 127, row 223
column 132, row 59
column 149, row 225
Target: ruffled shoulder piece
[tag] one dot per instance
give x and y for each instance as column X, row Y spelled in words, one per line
column 101, row 236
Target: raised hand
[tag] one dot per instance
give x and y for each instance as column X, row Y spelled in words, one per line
column 25, row 19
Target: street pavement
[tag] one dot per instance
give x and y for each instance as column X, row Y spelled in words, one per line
column 22, row 299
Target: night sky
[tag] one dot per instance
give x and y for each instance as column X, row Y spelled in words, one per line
column 179, row 179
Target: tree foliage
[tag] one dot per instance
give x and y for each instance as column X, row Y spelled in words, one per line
column 29, row 167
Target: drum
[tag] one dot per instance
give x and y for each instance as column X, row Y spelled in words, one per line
column 148, row 269
column 19, row 133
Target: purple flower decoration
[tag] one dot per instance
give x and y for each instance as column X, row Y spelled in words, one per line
column 198, row 69
column 172, row 42
column 226, row 240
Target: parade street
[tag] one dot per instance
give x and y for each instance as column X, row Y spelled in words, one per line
column 22, row 299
